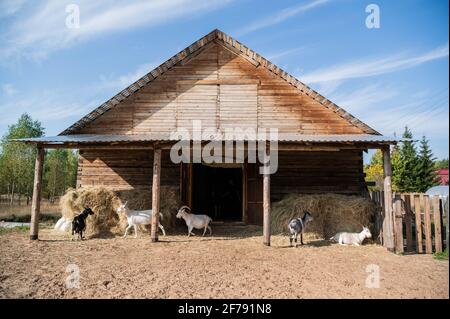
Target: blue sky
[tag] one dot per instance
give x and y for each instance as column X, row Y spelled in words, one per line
column 389, row 77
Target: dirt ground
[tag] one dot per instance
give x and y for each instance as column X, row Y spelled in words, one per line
column 231, row 264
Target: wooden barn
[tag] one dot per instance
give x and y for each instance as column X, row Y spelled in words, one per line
column 125, row 143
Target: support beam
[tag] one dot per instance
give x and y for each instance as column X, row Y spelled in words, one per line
column 266, row 204
column 36, row 201
column 388, row 221
column 156, row 193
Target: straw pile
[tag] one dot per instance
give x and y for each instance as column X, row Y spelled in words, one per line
column 332, row 213
column 104, row 202
column 101, row 200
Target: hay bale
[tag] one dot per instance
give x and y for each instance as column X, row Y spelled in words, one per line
column 101, row 200
column 332, row 213
column 67, row 203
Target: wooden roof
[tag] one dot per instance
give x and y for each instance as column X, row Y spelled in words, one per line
column 191, row 52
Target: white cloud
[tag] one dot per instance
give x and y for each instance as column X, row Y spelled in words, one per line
column 367, row 68
column 43, row 29
column 360, row 100
column 424, row 115
column 8, row 89
column 45, row 106
column 122, row 81
column 280, row 54
column 281, row 16
column 10, row 7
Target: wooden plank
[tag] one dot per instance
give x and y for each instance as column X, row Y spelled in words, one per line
column 266, row 209
column 408, row 222
column 428, row 239
column 37, row 189
column 156, row 193
column 446, row 210
column 437, row 224
column 418, row 205
column 227, row 81
column 388, row 222
column 398, row 225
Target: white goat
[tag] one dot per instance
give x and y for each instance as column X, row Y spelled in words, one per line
column 352, row 238
column 137, row 217
column 194, row 221
column 63, row 224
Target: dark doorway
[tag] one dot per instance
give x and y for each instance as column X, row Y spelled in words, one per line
column 217, row 192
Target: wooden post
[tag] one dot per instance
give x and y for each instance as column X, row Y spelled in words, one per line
column 388, row 222
column 266, row 205
column 36, row 201
column 408, row 222
column 445, row 211
column 398, row 225
column 428, row 240
column 437, row 224
column 418, row 204
column 156, row 193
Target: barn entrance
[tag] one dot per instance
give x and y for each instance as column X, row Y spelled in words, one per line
column 217, row 192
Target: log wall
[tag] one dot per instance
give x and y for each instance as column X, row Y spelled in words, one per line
column 124, row 169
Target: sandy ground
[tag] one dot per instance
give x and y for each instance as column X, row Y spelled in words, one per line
column 231, row 264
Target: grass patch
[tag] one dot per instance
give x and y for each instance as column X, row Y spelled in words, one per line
column 441, row 256
column 26, row 218
column 4, row 230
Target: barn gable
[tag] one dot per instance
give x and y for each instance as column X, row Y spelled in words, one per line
column 224, row 84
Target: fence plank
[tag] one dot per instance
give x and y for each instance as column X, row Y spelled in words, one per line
column 446, row 210
column 428, row 239
column 408, row 223
column 418, row 204
column 398, row 225
column 437, row 224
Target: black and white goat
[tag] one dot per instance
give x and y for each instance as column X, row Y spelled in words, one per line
column 298, row 226
column 79, row 223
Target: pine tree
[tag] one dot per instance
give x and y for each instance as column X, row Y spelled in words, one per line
column 405, row 166
column 426, row 174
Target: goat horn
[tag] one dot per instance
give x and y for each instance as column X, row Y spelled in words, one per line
column 185, row 207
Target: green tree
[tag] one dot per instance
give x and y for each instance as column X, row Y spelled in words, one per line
column 426, row 173
column 60, row 171
column 405, row 165
column 374, row 171
column 440, row 164
column 17, row 159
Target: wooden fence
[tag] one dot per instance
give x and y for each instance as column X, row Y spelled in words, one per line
column 420, row 222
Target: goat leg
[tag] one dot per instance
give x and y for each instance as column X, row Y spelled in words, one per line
column 162, row 229
column 126, row 231
column 301, row 238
